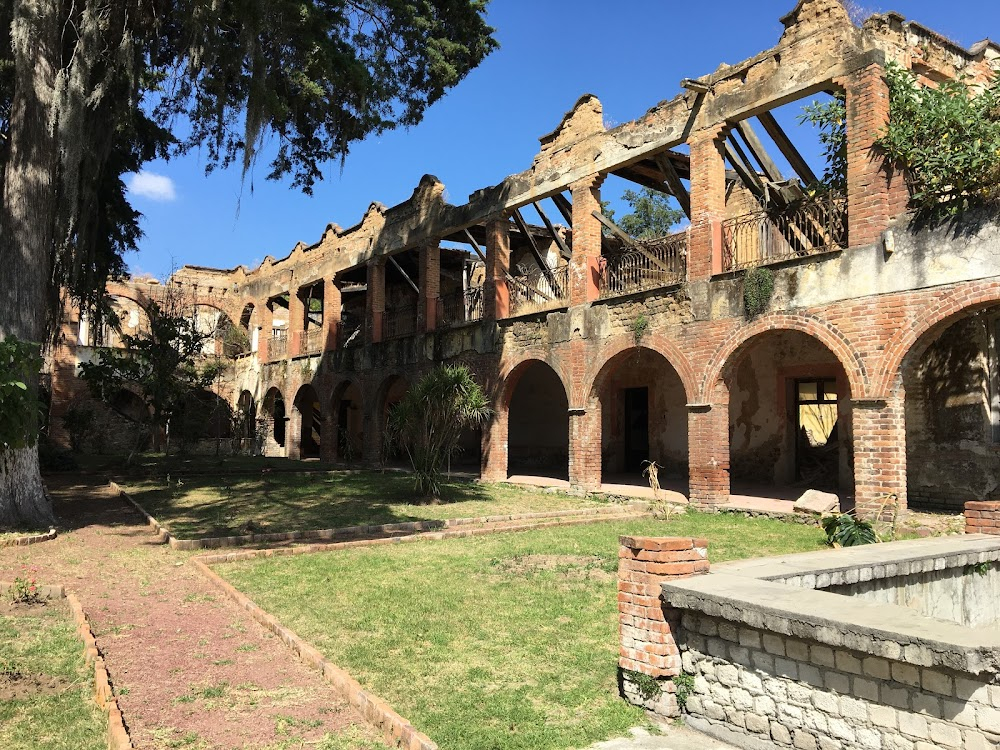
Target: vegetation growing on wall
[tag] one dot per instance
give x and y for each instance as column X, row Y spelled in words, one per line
column 830, row 118
column 948, row 140
column 758, row 286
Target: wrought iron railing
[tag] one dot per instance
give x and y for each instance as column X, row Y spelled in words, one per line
column 312, row 340
column 539, row 289
column 401, row 320
column 461, row 307
column 650, row 264
column 770, row 235
column 277, row 346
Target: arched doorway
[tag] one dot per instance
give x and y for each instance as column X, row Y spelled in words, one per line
column 348, row 413
column 644, row 417
column 390, row 393
column 308, row 422
column 274, row 421
column 537, row 422
column 245, row 424
column 951, row 380
column 789, row 417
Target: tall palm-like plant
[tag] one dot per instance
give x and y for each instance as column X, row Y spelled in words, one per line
column 429, row 421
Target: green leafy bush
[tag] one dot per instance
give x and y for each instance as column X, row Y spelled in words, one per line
column 948, row 140
column 758, row 286
column 19, row 405
column 846, row 530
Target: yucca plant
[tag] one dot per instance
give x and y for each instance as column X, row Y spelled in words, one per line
column 846, row 530
column 428, row 422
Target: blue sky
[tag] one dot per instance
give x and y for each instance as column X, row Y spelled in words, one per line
column 631, row 55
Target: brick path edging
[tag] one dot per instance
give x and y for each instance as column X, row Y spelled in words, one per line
column 397, row 730
column 346, row 532
column 21, row 541
column 104, row 696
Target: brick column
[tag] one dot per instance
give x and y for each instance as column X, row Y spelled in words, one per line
column 585, row 447
column 430, row 288
column 982, row 517
column 584, row 266
column 495, row 448
column 375, row 299
column 266, row 329
column 708, row 451
column 296, row 321
column 293, row 433
column 496, row 299
column 708, row 203
column 331, row 313
column 876, row 194
column 328, row 441
column 879, row 455
column 648, row 626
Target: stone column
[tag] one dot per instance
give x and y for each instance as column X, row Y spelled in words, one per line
column 296, row 321
column 708, row 451
column 879, row 456
column 585, row 447
column 266, row 330
column 708, row 203
column 647, row 625
column 584, row 266
column 875, row 193
column 293, row 433
column 331, row 313
column 376, row 299
column 430, row 288
column 496, row 295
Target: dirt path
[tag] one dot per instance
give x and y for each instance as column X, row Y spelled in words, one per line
column 191, row 669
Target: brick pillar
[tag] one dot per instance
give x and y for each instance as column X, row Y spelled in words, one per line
column 708, row 450
column 982, row 517
column 376, row 299
column 584, row 266
column 296, row 321
column 328, row 438
column 496, row 299
column 876, row 194
column 331, row 313
column 879, row 455
column 585, row 448
column 647, row 626
column 494, row 449
column 708, row 203
column 293, row 433
column 430, row 288
column 266, row 329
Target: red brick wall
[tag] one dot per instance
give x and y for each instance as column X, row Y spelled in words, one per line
column 982, row 518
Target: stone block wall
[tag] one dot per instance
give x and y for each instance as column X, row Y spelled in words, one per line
column 773, row 688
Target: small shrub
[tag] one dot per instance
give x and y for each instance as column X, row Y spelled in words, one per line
column 845, row 530
column 684, row 687
column 639, row 327
column 758, row 286
column 25, row 591
column 649, row 687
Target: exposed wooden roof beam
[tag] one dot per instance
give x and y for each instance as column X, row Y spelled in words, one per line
column 758, row 151
column 519, row 220
column 746, row 173
column 787, row 148
column 673, row 181
column 405, row 275
column 564, row 206
column 560, row 243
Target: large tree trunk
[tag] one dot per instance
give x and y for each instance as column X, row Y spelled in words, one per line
column 27, row 221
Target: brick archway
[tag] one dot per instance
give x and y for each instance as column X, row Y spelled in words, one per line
column 823, row 331
column 907, row 340
column 657, row 343
column 511, row 372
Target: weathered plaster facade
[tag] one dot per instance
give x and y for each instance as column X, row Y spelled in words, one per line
column 572, row 354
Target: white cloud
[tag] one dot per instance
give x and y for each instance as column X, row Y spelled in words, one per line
column 156, row 187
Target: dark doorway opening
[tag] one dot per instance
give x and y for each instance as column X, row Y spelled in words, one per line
column 636, row 428
column 817, row 443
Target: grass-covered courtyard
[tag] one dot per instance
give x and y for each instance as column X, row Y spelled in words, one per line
column 200, row 506
column 506, row 641
column 45, row 687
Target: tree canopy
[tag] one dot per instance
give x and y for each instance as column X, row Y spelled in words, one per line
column 652, row 213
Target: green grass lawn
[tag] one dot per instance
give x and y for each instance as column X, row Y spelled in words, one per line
column 507, row 641
column 46, row 643
column 197, row 507
column 160, row 464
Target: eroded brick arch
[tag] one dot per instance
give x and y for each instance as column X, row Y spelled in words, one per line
column 512, row 370
column 821, row 330
column 606, row 361
column 912, row 337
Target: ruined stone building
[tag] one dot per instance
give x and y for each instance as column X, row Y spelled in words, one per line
column 873, row 369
